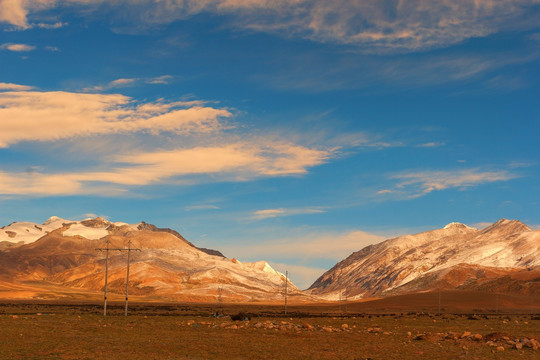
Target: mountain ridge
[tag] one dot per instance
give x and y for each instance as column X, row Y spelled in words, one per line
column 65, row 254
column 387, row 267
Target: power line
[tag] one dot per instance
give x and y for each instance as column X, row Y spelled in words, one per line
column 107, row 249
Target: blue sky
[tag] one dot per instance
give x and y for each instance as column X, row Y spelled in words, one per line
column 291, row 131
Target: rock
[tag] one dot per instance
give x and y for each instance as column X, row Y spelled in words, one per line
column 420, row 337
column 15, row 317
column 307, row 326
column 477, row 337
column 344, row 326
column 465, row 334
column 518, row 346
column 224, row 325
column 409, row 334
column 500, row 348
column 258, row 325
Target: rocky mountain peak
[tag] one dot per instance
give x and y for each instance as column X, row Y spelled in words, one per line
column 457, row 225
column 98, row 222
column 507, row 227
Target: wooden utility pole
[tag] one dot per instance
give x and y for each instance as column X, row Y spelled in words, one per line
column 129, row 250
column 107, row 249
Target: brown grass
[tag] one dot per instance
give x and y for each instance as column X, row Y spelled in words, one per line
column 187, row 331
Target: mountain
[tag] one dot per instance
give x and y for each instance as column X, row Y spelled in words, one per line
column 63, row 254
column 503, row 257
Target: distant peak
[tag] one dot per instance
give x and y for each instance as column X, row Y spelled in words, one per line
column 53, row 219
column 510, row 225
column 96, row 223
column 454, row 225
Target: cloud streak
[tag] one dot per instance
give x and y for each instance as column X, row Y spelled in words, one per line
column 281, row 212
column 242, row 161
column 416, row 184
column 371, row 26
column 17, row 47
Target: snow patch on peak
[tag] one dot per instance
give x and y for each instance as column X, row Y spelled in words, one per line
column 55, row 220
column 458, row 225
column 263, row 266
column 92, row 233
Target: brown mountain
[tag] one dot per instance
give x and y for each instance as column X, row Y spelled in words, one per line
column 167, row 267
column 504, row 257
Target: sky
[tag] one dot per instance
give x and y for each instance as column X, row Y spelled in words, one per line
column 292, row 131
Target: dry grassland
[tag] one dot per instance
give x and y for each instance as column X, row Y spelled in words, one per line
column 64, row 331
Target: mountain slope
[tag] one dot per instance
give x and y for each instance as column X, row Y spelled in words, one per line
column 168, row 266
column 434, row 259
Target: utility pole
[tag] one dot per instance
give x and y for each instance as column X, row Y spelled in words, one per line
column 107, row 249
column 286, row 283
column 129, row 250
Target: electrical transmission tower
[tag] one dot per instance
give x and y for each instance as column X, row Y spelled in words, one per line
column 107, row 249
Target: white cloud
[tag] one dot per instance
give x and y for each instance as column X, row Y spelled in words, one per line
column 416, row 184
column 48, row 116
column 17, row 47
column 272, row 213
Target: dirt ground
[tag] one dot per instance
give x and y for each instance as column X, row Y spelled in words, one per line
column 189, row 331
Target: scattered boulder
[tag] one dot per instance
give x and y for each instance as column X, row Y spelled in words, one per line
column 241, row 316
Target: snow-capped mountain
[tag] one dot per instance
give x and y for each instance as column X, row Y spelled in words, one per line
column 63, row 253
column 455, row 257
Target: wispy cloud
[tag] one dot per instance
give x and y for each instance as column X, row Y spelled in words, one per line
column 372, row 26
column 127, row 82
column 14, row 87
column 17, row 47
column 241, row 161
column 56, row 25
column 416, row 184
column 164, row 79
column 225, row 156
column 431, row 144
column 273, row 213
column 202, row 207
column 52, row 48
column 315, row 246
